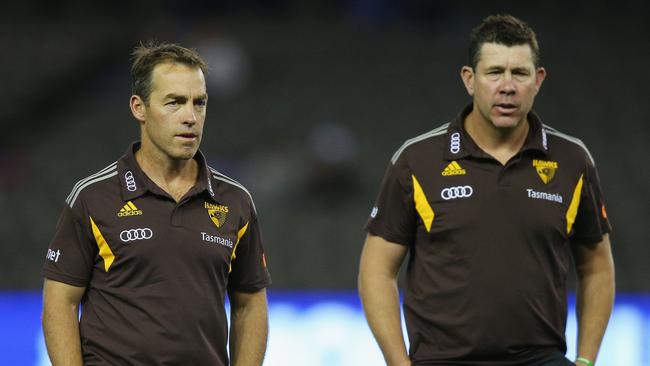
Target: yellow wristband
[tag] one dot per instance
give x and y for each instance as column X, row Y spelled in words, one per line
column 586, row 361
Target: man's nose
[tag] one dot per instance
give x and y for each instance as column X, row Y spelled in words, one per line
column 190, row 114
column 507, row 84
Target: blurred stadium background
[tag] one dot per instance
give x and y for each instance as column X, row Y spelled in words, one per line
column 308, row 101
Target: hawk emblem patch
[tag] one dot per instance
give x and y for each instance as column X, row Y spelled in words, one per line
column 217, row 213
column 545, row 169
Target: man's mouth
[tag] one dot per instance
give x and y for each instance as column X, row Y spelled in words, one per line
column 187, row 136
column 505, row 108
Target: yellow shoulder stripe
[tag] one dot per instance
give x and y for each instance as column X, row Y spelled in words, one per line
column 240, row 233
column 572, row 212
column 104, row 250
column 422, row 205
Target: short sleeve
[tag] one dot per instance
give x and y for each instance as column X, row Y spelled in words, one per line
column 591, row 221
column 70, row 255
column 249, row 272
column 393, row 215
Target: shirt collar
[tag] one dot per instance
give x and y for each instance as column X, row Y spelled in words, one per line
column 537, row 138
column 134, row 182
column 459, row 143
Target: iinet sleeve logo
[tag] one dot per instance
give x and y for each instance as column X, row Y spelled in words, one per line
column 52, row 255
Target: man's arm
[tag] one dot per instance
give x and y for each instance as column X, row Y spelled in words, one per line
column 595, row 296
column 249, row 327
column 61, row 322
column 378, row 270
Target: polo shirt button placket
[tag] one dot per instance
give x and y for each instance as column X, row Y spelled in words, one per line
column 176, row 215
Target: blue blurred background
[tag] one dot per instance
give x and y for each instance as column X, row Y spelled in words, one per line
column 326, row 328
column 308, row 101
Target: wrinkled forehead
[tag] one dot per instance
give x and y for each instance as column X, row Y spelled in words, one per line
column 497, row 54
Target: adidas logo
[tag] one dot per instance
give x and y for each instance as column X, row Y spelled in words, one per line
column 129, row 209
column 453, row 169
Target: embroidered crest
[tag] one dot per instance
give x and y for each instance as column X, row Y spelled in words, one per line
column 217, row 213
column 545, row 169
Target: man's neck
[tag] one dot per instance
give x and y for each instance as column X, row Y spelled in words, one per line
column 500, row 143
column 175, row 177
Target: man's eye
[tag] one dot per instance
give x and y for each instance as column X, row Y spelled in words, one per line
column 172, row 103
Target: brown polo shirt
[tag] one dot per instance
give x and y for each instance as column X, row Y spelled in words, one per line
column 156, row 271
column 490, row 245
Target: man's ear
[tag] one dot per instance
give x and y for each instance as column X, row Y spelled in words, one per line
column 540, row 75
column 138, row 108
column 467, row 75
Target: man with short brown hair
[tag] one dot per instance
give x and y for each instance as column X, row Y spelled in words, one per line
column 150, row 245
column 492, row 208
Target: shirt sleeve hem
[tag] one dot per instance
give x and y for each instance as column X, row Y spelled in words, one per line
column 249, row 288
column 70, row 280
column 397, row 239
column 587, row 240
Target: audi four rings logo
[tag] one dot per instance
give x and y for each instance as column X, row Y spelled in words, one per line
column 136, row 234
column 130, row 181
column 456, row 192
column 455, row 143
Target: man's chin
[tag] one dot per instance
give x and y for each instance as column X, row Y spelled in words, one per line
column 185, row 153
column 506, row 122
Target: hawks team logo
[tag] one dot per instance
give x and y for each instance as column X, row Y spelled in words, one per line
column 545, row 169
column 217, row 213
